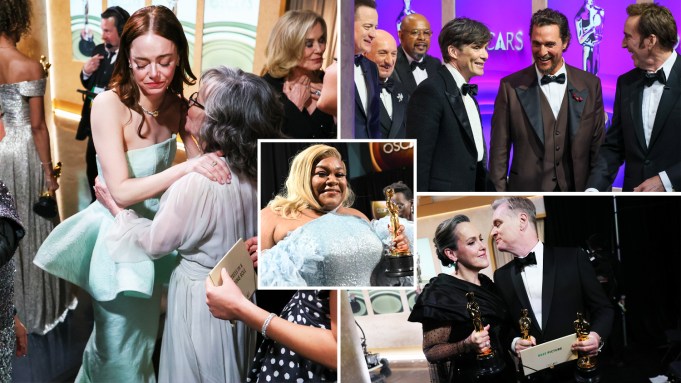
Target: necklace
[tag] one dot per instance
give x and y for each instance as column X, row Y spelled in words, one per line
column 153, row 113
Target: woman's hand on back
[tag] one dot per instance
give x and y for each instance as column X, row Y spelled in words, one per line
column 211, row 166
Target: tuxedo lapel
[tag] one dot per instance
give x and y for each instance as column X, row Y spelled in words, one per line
column 521, row 294
column 398, row 114
column 358, row 101
column 455, row 101
column 637, row 114
column 528, row 95
column 577, row 98
column 386, row 122
column 670, row 97
column 548, row 282
column 404, row 71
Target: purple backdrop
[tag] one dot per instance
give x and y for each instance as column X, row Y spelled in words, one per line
column 510, row 49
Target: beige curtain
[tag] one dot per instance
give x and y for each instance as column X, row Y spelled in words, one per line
column 328, row 10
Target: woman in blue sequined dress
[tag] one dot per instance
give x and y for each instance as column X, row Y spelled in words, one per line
column 310, row 236
column 134, row 126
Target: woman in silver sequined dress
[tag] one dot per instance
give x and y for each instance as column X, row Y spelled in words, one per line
column 310, row 236
column 13, row 339
column 27, row 167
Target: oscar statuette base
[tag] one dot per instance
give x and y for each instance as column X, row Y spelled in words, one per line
column 400, row 266
column 489, row 365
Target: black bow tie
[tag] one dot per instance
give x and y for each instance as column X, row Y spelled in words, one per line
column 549, row 79
column 358, row 60
column 388, row 84
column 531, row 259
column 650, row 78
column 471, row 89
column 414, row 64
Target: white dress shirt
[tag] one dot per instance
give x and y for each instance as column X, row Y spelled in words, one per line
column 361, row 85
column 387, row 100
column 651, row 100
column 533, row 277
column 419, row 74
column 554, row 91
column 471, row 111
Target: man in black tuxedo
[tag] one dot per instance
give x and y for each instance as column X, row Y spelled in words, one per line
column 367, row 89
column 645, row 132
column 95, row 78
column 394, row 97
column 414, row 64
column 444, row 116
column 552, row 283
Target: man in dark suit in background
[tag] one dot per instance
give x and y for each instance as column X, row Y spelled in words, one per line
column 444, row 117
column 95, row 78
column 394, row 97
column 552, row 283
column 414, row 64
column 645, row 132
column 551, row 114
column 367, row 90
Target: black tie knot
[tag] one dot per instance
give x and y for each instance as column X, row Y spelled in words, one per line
column 420, row 64
column 650, row 78
column 358, row 60
column 547, row 79
column 471, row 89
column 388, row 84
column 531, row 259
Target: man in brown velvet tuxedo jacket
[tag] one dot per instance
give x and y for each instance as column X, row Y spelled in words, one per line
column 550, row 114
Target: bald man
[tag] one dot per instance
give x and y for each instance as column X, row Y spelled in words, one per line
column 394, row 97
column 413, row 62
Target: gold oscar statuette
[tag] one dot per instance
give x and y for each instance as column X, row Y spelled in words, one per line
column 401, row 262
column 524, row 323
column 488, row 363
column 586, row 371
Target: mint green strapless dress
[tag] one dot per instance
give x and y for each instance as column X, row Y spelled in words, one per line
column 126, row 296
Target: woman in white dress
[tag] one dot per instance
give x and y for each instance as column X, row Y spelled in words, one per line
column 202, row 220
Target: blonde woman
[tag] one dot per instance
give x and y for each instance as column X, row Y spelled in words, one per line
column 310, row 235
column 293, row 62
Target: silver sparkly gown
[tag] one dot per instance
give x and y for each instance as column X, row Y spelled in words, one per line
column 40, row 298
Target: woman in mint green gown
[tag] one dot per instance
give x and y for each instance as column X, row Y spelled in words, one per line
column 134, row 126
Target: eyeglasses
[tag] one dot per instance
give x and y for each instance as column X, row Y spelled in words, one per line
column 193, row 101
column 417, row 32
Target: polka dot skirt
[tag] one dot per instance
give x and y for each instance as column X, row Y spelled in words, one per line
column 275, row 362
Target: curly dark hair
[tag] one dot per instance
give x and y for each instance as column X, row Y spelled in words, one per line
column 445, row 237
column 240, row 109
column 162, row 22
column 15, row 18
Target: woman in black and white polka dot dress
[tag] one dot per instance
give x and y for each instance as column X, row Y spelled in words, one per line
column 300, row 345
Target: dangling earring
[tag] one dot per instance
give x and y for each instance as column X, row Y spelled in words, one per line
column 129, row 65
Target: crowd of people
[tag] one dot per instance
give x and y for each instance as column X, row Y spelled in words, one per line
column 156, row 226
column 548, row 124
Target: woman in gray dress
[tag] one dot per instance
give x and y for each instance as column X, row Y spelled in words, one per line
column 40, row 298
column 202, row 220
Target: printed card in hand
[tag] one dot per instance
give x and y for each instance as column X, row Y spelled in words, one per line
column 239, row 266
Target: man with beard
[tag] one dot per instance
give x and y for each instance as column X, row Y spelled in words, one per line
column 413, row 63
column 645, row 132
column 550, row 113
column 95, row 78
column 394, row 97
